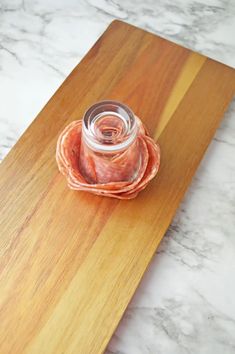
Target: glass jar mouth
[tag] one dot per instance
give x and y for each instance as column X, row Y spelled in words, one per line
column 109, row 126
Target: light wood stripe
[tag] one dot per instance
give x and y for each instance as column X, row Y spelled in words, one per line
column 189, row 71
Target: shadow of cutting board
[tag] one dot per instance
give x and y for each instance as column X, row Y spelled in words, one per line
column 70, row 261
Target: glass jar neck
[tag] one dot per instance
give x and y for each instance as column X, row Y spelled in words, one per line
column 109, row 126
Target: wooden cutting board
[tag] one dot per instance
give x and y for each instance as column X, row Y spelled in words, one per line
column 70, row 261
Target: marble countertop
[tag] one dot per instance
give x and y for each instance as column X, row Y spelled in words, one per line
column 186, row 300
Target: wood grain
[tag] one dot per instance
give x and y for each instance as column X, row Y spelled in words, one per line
column 69, row 261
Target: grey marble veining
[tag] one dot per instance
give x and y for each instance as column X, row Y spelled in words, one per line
column 186, row 300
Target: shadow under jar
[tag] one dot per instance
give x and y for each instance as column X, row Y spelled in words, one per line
column 110, row 150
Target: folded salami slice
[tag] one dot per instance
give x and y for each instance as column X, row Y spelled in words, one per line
column 84, row 170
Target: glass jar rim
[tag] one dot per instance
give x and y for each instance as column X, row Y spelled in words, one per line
column 104, row 109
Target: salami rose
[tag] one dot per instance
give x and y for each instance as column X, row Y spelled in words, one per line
column 108, row 153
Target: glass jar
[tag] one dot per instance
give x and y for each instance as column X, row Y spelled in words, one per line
column 110, row 150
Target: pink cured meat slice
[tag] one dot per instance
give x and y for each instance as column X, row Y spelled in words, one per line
column 150, row 173
column 68, row 154
column 151, row 170
column 67, row 148
column 115, row 187
column 118, row 167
